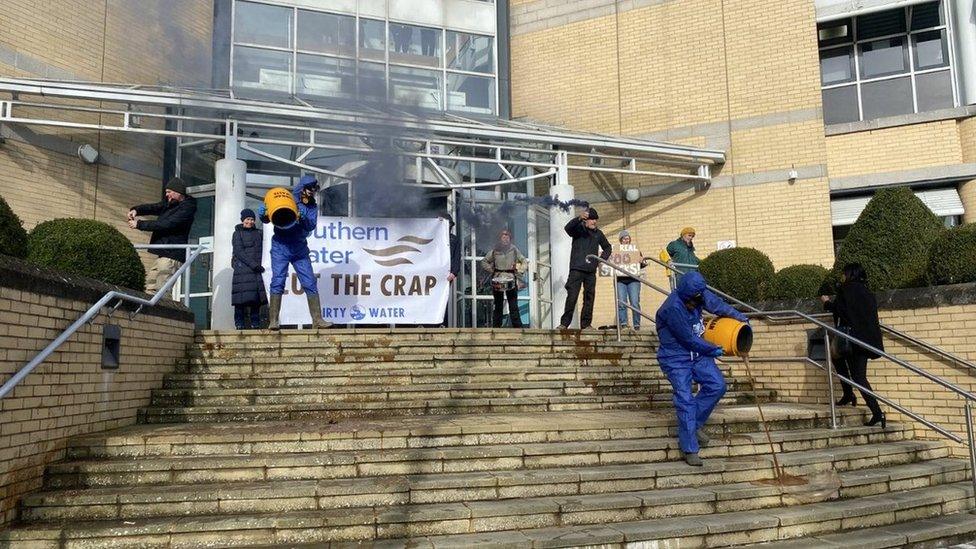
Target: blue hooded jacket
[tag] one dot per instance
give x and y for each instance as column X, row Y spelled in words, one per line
column 308, row 215
column 679, row 330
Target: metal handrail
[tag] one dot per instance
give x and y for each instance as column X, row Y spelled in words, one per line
column 95, row 309
column 928, row 346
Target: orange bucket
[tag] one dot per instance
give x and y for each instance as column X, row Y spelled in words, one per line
column 734, row 337
column 280, row 206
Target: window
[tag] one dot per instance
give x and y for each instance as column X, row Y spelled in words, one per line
column 885, row 64
column 415, row 45
column 326, row 33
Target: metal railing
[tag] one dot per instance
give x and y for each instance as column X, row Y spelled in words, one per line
column 968, row 397
column 95, row 309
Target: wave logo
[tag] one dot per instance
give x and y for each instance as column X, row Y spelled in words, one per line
column 357, row 312
column 398, row 253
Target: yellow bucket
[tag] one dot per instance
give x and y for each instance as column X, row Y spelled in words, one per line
column 280, row 206
column 731, row 335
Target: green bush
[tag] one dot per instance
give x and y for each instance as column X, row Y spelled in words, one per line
column 892, row 240
column 739, row 272
column 89, row 248
column 13, row 237
column 953, row 257
column 796, row 282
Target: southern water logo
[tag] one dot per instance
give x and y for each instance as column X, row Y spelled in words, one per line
column 357, row 312
column 397, row 254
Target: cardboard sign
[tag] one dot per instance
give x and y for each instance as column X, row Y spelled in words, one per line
column 628, row 256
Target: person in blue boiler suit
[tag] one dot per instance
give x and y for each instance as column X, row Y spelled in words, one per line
column 289, row 245
column 685, row 357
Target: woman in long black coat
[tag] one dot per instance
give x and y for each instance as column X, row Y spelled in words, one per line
column 856, row 309
column 247, row 294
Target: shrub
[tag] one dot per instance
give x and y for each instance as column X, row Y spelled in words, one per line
column 892, row 239
column 89, row 248
column 953, row 256
column 739, row 272
column 796, row 282
column 13, row 237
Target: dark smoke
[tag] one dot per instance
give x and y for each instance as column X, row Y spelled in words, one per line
column 482, row 217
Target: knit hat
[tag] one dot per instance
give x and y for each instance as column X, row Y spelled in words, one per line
column 593, row 214
column 688, row 230
column 623, row 234
column 308, row 181
column 176, row 185
column 247, row 212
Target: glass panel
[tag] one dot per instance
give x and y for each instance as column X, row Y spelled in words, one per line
column 931, row 50
column 470, row 52
column 259, row 69
column 883, row 23
column 326, row 33
column 415, row 45
column 836, row 65
column 928, row 15
column 834, row 32
column 262, row 24
column 470, row 93
column 372, row 80
column 840, row 105
column 325, row 77
column 416, row 87
column 372, row 39
column 884, row 57
column 934, row 91
column 887, row 98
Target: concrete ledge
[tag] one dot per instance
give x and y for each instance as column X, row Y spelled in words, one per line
column 892, row 300
column 903, row 120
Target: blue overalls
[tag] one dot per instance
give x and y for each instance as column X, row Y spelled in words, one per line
column 290, row 246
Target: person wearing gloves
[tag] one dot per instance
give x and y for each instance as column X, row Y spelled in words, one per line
column 289, row 245
column 587, row 240
column 247, row 291
column 175, row 215
column 505, row 263
column 685, row 357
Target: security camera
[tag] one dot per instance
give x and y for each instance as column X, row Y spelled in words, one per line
column 632, row 195
column 88, row 154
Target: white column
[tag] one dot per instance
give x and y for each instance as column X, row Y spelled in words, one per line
column 964, row 20
column 560, row 243
column 230, row 174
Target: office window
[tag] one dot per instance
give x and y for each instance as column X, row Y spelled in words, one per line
column 263, row 25
column 885, row 64
column 470, row 52
column 412, row 45
column 326, row 33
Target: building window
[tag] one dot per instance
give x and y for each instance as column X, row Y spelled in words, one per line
column 886, row 64
column 314, row 54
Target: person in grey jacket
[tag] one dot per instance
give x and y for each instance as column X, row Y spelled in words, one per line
column 505, row 262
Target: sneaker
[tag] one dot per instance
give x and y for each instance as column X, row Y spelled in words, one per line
column 693, row 460
column 703, row 439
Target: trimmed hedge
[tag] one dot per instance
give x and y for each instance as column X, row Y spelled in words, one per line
column 892, row 239
column 88, row 248
column 13, row 237
column 953, row 256
column 796, row 282
column 739, row 272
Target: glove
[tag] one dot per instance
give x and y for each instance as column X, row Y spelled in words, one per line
column 262, row 210
column 259, row 269
column 717, row 352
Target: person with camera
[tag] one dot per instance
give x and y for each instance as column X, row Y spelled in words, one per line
column 587, row 240
column 506, row 264
column 174, row 217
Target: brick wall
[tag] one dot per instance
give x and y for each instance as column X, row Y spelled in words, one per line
column 69, row 394
column 894, row 149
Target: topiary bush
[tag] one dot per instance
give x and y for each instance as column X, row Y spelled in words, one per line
column 953, row 256
column 796, row 282
column 13, row 237
column 739, row 272
column 89, row 248
column 892, row 239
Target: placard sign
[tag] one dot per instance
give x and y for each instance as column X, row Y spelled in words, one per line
column 628, row 256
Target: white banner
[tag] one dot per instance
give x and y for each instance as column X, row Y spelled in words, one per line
column 372, row 271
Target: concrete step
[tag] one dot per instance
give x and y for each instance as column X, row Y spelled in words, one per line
column 382, row 336
column 728, row 482
column 366, row 458
column 543, row 522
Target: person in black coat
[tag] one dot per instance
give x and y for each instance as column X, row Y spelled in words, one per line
column 175, row 215
column 247, row 293
column 587, row 240
column 856, row 312
column 454, row 244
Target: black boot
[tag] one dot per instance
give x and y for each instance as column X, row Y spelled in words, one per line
column 848, row 399
column 876, row 419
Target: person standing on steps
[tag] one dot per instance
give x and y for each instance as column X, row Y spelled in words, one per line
column 587, row 240
column 682, row 252
column 685, row 357
column 505, row 263
column 454, row 246
column 628, row 287
column 856, row 313
column 289, row 245
column 172, row 226
column 247, row 290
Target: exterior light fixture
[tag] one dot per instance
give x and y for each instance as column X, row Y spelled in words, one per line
column 88, row 154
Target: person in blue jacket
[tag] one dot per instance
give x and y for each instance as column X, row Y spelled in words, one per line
column 289, row 245
column 685, row 357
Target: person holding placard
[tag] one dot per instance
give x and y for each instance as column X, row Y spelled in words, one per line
column 629, row 257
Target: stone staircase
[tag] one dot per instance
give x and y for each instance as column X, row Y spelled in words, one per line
column 447, row 438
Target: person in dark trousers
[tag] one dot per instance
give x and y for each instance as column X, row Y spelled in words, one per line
column 455, row 246
column 247, row 293
column 856, row 312
column 172, row 226
column 505, row 262
column 587, row 240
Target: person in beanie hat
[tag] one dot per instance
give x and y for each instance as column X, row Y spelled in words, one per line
column 587, row 240
column 682, row 252
column 247, row 290
column 628, row 287
column 174, row 217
